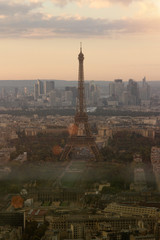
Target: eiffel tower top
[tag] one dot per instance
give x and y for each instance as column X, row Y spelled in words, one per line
column 81, row 55
column 81, row 111
column 80, row 46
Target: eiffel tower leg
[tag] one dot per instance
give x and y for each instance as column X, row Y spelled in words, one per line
column 65, row 152
column 87, row 129
column 93, row 147
column 96, row 152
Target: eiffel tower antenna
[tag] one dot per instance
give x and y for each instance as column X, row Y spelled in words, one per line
column 80, row 46
column 83, row 137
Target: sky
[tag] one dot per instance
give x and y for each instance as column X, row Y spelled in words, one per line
column 40, row 39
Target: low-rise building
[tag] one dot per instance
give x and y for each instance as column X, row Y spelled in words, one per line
column 128, row 210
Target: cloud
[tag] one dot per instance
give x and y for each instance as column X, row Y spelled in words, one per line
column 11, row 8
column 19, row 20
column 94, row 3
column 147, row 9
column 90, row 3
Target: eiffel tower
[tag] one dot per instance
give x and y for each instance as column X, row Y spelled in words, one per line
column 85, row 140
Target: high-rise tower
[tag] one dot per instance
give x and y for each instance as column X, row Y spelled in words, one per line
column 81, row 136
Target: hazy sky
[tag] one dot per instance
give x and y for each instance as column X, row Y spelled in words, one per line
column 40, row 39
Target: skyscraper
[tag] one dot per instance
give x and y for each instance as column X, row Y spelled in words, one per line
column 119, row 88
column 116, row 89
column 111, row 89
column 145, row 90
column 48, row 86
column 40, row 87
column 133, row 92
column 35, row 91
column 73, row 90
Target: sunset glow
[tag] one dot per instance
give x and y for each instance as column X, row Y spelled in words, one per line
column 40, row 39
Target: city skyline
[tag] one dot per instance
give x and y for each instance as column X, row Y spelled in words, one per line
column 40, row 39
